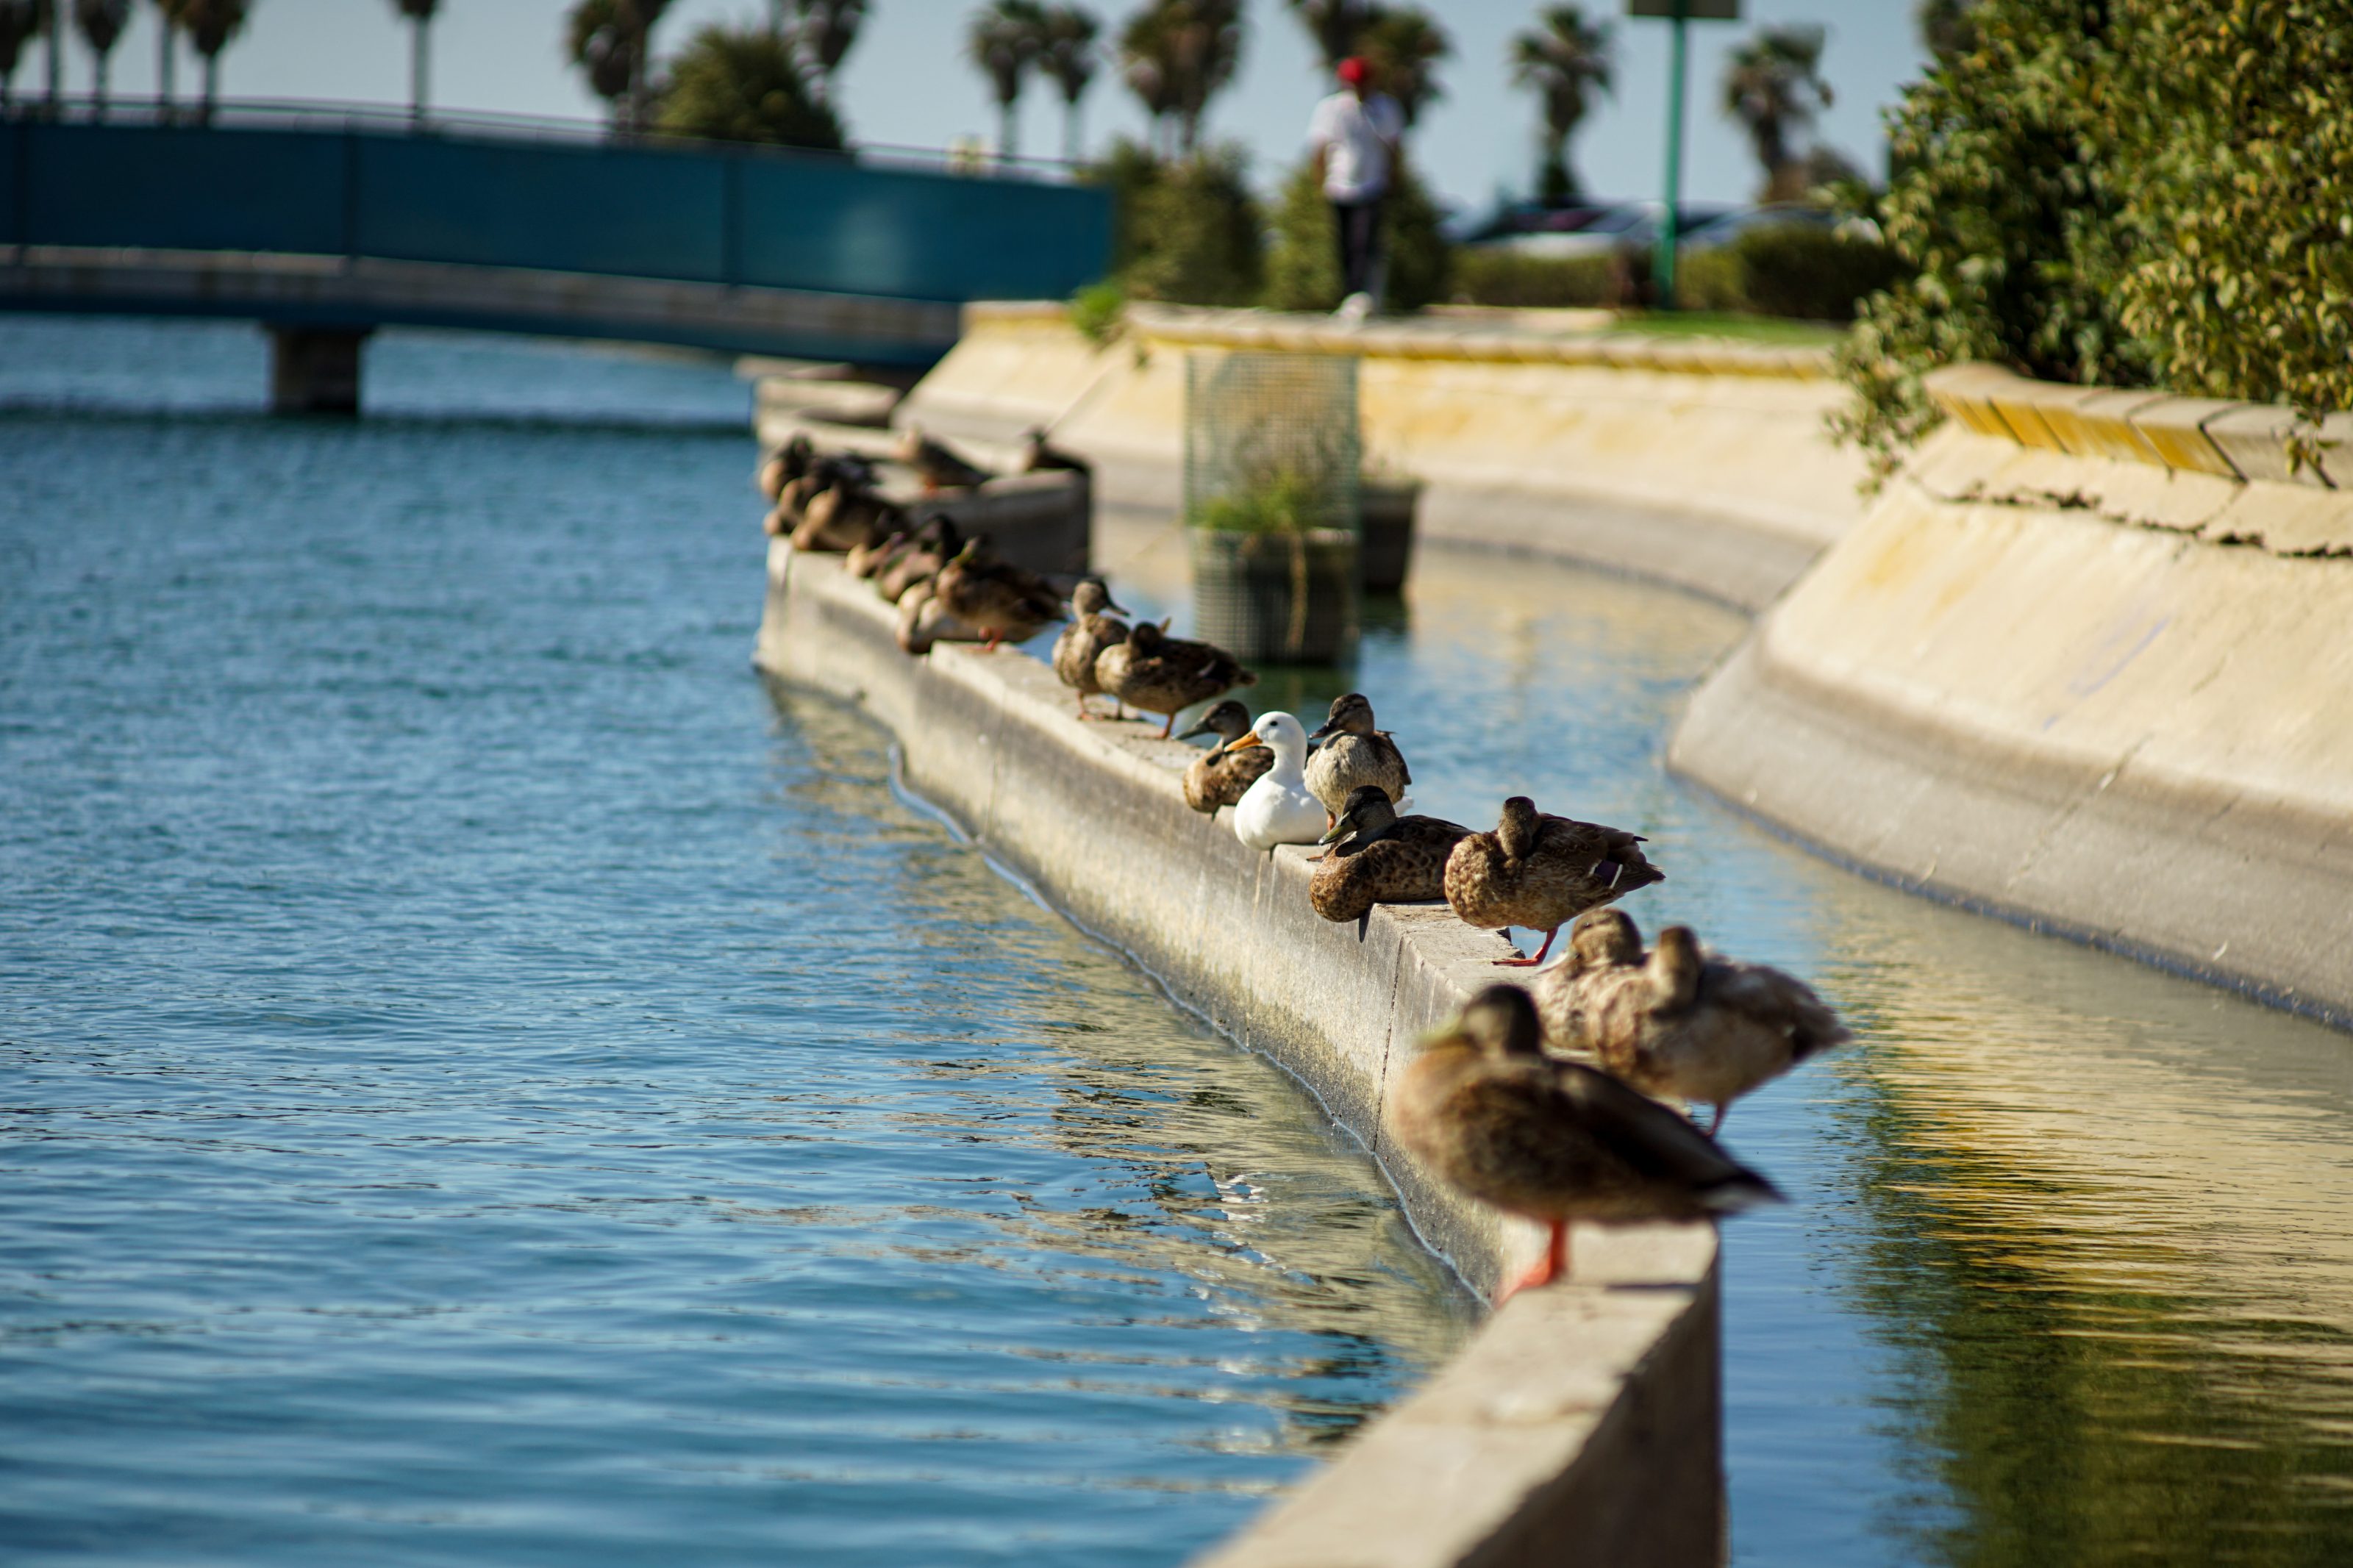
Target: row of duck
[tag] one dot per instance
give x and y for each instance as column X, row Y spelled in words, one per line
column 1545, row 1102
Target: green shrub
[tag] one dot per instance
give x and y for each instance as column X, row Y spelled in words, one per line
column 744, row 84
column 1788, row 269
column 1127, row 172
column 1302, row 269
column 1196, row 237
column 1487, row 275
column 1096, row 310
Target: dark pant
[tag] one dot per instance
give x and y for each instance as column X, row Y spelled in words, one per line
column 1358, row 225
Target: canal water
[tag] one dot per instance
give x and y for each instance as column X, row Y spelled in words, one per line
column 487, row 1082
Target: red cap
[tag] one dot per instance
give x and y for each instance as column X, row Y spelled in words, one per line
column 1353, row 70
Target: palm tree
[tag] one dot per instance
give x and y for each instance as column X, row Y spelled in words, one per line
column 53, row 35
column 1404, row 47
column 611, row 41
column 1004, row 41
column 420, row 16
column 167, row 54
column 1565, row 59
column 100, row 23
column 1946, row 26
column 1145, row 64
column 1069, row 57
column 823, row 31
column 1179, row 54
column 211, row 24
column 746, row 84
column 20, row 22
column 1774, row 87
column 1333, row 26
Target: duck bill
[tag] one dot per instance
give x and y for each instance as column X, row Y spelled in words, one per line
column 1240, row 743
column 1319, row 732
column 1340, row 830
column 1199, row 730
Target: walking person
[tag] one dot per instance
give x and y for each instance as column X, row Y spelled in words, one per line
column 1355, row 133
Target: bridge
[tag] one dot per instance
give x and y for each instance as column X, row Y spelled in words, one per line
column 324, row 226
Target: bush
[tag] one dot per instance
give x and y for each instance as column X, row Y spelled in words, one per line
column 744, row 84
column 1489, row 275
column 1788, row 269
column 1195, row 237
column 1096, row 311
column 1127, row 172
column 1303, row 267
column 2126, row 191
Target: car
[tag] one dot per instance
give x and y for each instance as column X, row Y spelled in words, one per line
column 1609, row 231
column 1728, row 227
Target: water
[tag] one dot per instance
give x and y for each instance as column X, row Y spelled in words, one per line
column 471, row 1098
column 484, row 1083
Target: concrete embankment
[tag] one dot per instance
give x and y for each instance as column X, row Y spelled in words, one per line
column 2088, row 664
column 1583, row 1423
column 1701, row 463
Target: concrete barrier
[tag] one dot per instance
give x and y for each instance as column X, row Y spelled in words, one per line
column 1702, row 463
column 2070, row 673
column 1583, row 1423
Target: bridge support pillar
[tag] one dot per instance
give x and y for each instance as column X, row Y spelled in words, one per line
column 315, row 370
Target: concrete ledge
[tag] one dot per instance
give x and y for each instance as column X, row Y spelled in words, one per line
column 1582, row 1425
column 2135, row 735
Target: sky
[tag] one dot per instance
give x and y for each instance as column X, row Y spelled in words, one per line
column 905, row 82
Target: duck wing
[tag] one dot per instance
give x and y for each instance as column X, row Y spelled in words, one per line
column 1663, row 1150
column 1767, row 998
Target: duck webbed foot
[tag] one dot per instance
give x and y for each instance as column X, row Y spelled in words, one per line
column 1552, row 1266
column 1515, row 962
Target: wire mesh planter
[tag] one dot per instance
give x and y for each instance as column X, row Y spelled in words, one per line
column 1271, row 454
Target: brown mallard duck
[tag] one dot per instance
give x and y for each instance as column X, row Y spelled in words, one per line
column 1539, row 872
column 1680, row 1023
column 1552, row 1141
column 1225, row 773
column 1354, row 753
column 1380, row 858
column 937, row 467
column 1082, row 641
column 1161, row 674
column 785, row 464
column 869, row 558
column 935, row 545
column 845, row 517
column 1040, row 455
column 923, row 621
column 1001, row 600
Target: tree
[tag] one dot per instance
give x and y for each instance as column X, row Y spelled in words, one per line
column 1069, row 57
column 420, row 16
column 1403, row 46
column 101, row 23
column 20, row 23
column 1774, row 87
column 210, row 24
column 746, row 84
column 1178, row 55
column 168, row 25
column 822, row 32
column 612, row 42
column 1565, row 60
column 1945, row 26
column 1333, row 26
column 1004, row 40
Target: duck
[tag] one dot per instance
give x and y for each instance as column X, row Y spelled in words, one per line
column 1082, row 641
column 923, row 621
column 1221, row 777
column 1539, row 872
column 1380, row 857
column 1277, row 808
column 935, row 544
column 1554, row 1142
column 1001, row 600
column 937, row 467
column 869, row 558
column 1354, row 753
column 1161, row 674
column 1039, row 455
column 785, row 464
column 1680, row 1023
column 844, row 518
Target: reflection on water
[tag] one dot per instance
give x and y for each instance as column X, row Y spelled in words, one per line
column 2070, row 1279
column 484, row 1083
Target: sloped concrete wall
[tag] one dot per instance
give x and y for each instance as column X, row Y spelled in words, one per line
column 2085, row 681
column 1583, row 1423
column 1703, row 464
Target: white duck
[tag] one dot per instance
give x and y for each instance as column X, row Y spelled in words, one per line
column 1279, row 808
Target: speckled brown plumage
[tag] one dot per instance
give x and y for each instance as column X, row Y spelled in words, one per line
column 1004, row 602
column 1381, row 857
column 1681, row 1022
column 1082, row 641
column 935, row 544
column 1222, row 777
column 1538, row 871
column 1551, row 1141
column 1354, row 753
column 1161, row 674
column 936, row 465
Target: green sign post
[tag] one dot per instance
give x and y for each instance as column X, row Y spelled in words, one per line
column 1671, row 228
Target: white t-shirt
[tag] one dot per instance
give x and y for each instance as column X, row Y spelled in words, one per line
column 1356, row 134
